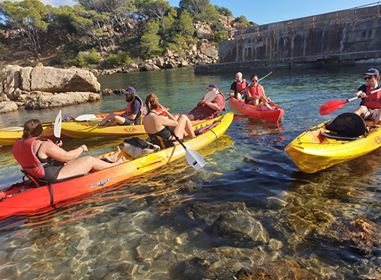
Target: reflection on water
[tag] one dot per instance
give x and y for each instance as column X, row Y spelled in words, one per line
column 249, row 214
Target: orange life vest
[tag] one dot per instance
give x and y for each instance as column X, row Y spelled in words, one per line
column 256, row 91
column 23, row 152
column 372, row 100
column 240, row 86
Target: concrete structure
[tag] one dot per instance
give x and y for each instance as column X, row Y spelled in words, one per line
column 342, row 37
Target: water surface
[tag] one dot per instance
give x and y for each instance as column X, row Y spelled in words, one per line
column 248, row 212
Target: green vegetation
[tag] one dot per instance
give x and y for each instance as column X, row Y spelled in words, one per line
column 108, row 33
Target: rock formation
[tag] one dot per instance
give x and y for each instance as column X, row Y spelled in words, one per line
column 42, row 87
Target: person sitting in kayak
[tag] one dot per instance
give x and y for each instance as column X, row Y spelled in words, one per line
column 210, row 106
column 131, row 115
column 370, row 106
column 45, row 160
column 162, row 127
column 238, row 86
column 255, row 93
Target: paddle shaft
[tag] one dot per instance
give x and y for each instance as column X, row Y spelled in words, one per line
column 265, row 76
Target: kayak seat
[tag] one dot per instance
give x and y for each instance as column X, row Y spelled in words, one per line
column 347, row 125
column 336, row 136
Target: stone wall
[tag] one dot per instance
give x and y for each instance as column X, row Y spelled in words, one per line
column 348, row 36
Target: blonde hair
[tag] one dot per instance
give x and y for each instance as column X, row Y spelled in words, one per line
column 152, row 102
column 32, row 128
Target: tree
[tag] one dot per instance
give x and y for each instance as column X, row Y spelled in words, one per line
column 194, row 7
column 185, row 24
column 150, row 41
column 168, row 24
column 224, row 11
column 31, row 16
column 152, row 9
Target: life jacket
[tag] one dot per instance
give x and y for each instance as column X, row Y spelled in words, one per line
column 256, row 91
column 23, row 152
column 372, row 100
column 129, row 107
column 240, row 86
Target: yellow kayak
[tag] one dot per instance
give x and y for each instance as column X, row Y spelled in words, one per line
column 311, row 151
column 9, row 135
column 92, row 129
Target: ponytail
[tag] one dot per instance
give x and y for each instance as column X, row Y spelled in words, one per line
column 32, row 128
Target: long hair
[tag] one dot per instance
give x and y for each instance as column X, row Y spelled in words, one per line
column 152, row 102
column 32, row 128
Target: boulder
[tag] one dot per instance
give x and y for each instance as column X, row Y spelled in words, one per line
column 8, row 106
column 204, row 31
column 209, row 50
column 25, row 78
column 43, row 100
column 49, row 79
column 10, row 77
column 149, row 66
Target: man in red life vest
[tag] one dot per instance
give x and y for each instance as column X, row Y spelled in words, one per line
column 370, row 106
column 255, row 93
column 210, row 106
column 132, row 114
column 237, row 87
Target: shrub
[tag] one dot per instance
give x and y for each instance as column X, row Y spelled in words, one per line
column 88, row 58
column 116, row 59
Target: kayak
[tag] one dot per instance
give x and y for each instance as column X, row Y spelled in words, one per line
column 313, row 151
column 257, row 112
column 19, row 200
column 91, row 129
column 9, row 135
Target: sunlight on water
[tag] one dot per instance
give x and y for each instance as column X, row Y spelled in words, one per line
column 249, row 211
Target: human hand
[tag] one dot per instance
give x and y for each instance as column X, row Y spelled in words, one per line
column 59, row 143
column 361, row 94
column 84, row 148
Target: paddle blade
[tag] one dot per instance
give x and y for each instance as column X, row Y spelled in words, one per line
column 57, row 125
column 86, row 118
column 194, row 159
column 331, row 106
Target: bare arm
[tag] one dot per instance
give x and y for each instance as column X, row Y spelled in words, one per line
column 213, row 106
column 167, row 122
column 59, row 154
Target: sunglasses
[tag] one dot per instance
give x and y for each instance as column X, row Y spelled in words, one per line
column 254, row 80
column 368, row 78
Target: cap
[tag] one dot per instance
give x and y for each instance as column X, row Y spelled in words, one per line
column 130, row 90
column 372, row 72
column 212, row 86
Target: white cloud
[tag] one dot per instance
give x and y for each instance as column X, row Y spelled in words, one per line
column 58, row 2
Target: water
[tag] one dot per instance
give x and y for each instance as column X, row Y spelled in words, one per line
column 248, row 212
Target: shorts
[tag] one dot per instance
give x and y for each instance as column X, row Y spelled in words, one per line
column 373, row 115
column 128, row 122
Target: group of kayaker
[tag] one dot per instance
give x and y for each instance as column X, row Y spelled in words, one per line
column 252, row 93
column 45, row 160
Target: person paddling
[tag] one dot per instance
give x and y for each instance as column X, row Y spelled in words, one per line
column 45, row 160
column 210, row 106
column 255, row 93
column 131, row 115
column 370, row 106
column 238, row 86
column 160, row 128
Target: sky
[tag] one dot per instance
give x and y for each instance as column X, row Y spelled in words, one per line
column 263, row 12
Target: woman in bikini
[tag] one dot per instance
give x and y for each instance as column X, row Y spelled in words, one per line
column 164, row 126
column 43, row 159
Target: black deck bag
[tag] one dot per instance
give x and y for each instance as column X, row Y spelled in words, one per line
column 347, row 125
column 137, row 147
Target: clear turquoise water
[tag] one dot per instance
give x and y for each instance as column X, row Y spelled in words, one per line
column 248, row 207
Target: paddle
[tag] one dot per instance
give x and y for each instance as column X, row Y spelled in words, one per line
column 265, row 76
column 58, row 125
column 333, row 105
column 193, row 158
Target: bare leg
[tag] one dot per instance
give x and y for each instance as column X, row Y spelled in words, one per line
column 83, row 165
column 361, row 111
column 184, row 124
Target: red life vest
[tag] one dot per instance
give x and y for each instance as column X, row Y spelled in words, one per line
column 129, row 106
column 256, row 91
column 239, row 86
column 372, row 100
column 23, row 152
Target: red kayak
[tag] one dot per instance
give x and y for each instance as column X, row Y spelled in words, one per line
column 23, row 200
column 258, row 112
